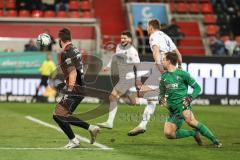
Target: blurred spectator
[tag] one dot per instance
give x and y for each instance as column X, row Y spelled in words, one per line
column 217, row 46
column 22, row 5
column 25, row 4
column 221, row 2
column 174, row 32
column 222, row 19
column 236, row 51
column 230, row 45
column 61, row 5
column 48, row 4
column 140, row 37
column 231, row 8
column 224, row 30
column 49, row 47
column 235, row 24
column 30, row 46
column 36, row 5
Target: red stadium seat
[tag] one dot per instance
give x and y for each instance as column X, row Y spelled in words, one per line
column 24, row 13
column 1, row 4
column 237, row 39
column 37, row 13
column 73, row 5
column 87, row 14
column 74, row 14
column 62, row 14
column 172, row 7
column 1, row 13
column 182, row 7
column 85, row 5
column 212, row 30
column 209, row 19
column 11, row 13
column 49, row 14
column 224, row 38
column 10, row 4
column 194, row 8
column 207, row 8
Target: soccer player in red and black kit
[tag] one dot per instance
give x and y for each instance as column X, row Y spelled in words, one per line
column 73, row 77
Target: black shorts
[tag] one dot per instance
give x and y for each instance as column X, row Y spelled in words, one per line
column 71, row 102
column 44, row 81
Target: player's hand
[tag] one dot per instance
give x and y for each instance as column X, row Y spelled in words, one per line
column 68, row 88
column 187, row 101
column 106, row 69
column 162, row 101
column 60, row 86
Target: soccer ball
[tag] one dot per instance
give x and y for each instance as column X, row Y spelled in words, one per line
column 43, row 39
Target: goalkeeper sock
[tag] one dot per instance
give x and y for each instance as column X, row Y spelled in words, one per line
column 182, row 133
column 203, row 129
column 148, row 111
column 112, row 112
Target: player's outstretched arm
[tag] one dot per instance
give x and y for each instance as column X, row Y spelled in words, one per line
column 157, row 57
column 196, row 90
column 179, row 58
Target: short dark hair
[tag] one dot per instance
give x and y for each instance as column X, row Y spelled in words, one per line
column 64, row 35
column 155, row 23
column 172, row 57
column 127, row 33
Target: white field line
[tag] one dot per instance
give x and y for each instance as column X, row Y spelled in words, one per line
column 39, row 148
column 59, row 130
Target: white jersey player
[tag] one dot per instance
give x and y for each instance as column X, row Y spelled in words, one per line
column 160, row 43
column 126, row 56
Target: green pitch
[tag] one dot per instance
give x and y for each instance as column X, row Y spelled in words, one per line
column 17, row 132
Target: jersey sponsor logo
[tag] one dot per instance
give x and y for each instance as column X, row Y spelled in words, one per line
column 172, row 86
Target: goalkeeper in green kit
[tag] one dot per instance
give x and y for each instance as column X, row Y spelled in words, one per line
column 173, row 91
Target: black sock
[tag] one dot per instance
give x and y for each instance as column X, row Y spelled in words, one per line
column 78, row 122
column 64, row 126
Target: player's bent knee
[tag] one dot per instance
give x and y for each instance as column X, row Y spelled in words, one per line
column 61, row 111
column 169, row 134
column 113, row 97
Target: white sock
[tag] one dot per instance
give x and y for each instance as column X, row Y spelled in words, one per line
column 148, row 112
column 112, row 112
column 142, row 101
column 91, row 127
column 74, row 140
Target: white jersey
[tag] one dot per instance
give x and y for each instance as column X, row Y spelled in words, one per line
column 129, row 52
column 163, row 41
